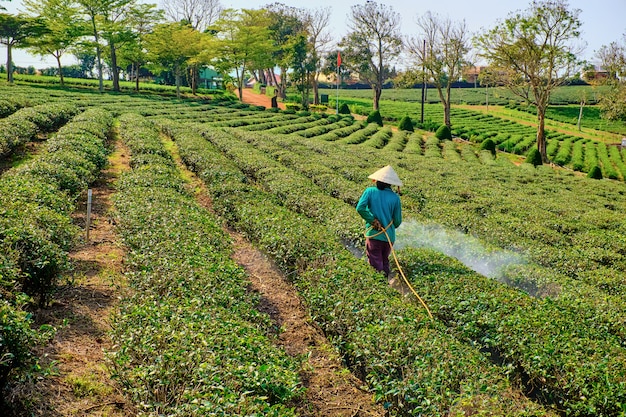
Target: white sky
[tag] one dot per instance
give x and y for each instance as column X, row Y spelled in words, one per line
column 604, row 21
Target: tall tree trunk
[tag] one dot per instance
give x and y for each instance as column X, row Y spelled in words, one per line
column 580, row 114
column 9, row 63
column 178, row 77
column 283, row 83
column 114, row 69
column 58, row 57
column 541, row 134
column 195, row 77
column 445, row 101
column 98, row 53
column 240, row 82
column 278, row 87
column 137, row 67
column 446, row 106
column 316, row 93
column 377, row 93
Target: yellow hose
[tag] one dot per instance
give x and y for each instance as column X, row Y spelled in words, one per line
column 395, row 258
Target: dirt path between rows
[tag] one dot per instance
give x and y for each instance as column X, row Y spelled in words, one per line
column 78, row 383
column 332, row 391
column 250, row 97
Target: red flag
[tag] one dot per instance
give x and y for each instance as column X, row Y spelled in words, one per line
column 338, row 59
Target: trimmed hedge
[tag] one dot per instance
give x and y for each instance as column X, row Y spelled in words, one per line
column 189, row 340
column 443, row 133
column 23, row 125
column 36, row 233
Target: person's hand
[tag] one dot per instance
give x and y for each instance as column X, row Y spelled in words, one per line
column 376, row 225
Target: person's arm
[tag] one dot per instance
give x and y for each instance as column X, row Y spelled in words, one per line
column 397, row 214
column 362, row 207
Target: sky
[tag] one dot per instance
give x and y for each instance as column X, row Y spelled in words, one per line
column 604, row 21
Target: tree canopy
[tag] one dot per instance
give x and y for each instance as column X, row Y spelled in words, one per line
column 64, row 28
column 373, row 43
column 613, row 58
column 171, row 46
column 242, row 41
column 533, row 52
column 443, row 56
column 19, row 31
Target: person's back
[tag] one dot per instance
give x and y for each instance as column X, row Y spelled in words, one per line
column 384, row 205
column 381, row 209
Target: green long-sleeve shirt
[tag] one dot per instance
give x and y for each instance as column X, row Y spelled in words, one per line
column 383, row 205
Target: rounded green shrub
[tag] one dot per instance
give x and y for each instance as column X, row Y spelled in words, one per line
column 595, row 173
column 344, row 109
column 443, row 132
column 406, row 124
column 18, row 340
column 534, row 157
column 488, row 145
column 375, row 117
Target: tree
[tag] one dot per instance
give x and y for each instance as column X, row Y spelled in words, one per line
column 443, row 59
column 533, row 52
column 613, row 58
column 116, row 31
column 140, row 21
column 93, row 9
column 127, row 39
column 64, row 28
column 302, row 65
column 316, row 24
column 373, row 42
column 86, row 61
column 242, row 41
column 489, row 78
column 171, row 45
column 285, row 25
column 17, row 32
column 408, row 78
column 200, row 14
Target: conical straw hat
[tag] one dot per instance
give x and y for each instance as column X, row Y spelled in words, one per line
column 386, row 175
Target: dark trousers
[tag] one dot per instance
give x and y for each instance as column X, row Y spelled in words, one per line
column 377, row 252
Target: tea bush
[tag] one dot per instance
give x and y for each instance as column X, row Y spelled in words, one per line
column 37, row 212
column 36, row 233
column 344, row 108
column 18, row 338
column 443, row 132
column 488, row 145
column 595, row 173
column 406, row 124
column 191, row 321
column 23, row 125
column 533, row 157
column 375, row 117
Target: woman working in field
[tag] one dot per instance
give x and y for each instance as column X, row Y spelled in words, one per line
column 381, row 209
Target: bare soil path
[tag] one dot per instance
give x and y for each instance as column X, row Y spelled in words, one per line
column 79, row 383
column 332, row 391
column 250, row 97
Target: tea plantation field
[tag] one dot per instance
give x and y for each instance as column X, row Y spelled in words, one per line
column 522, row 267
